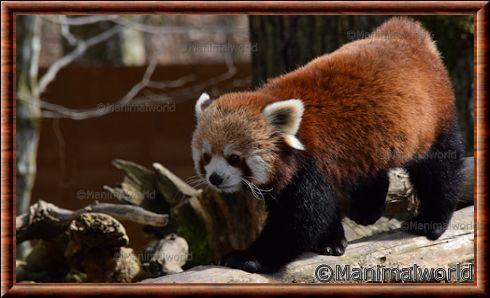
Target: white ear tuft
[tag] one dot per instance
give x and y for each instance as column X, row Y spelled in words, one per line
column 204, row 99
column 286, row 116
column 293, row 142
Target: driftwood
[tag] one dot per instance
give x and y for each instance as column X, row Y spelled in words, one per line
column 85, row 245
column 91, row 249
column 96, row 246
column 46, row 220
column 388, row 249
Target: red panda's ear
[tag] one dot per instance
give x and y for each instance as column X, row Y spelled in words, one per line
column 286, row 116
column 203, row 102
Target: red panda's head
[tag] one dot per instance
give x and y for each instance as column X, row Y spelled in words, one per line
column 239, row 137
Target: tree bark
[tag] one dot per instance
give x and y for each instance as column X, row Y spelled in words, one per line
column 28, row 113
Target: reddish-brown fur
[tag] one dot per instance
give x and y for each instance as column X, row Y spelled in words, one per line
column 371, row 105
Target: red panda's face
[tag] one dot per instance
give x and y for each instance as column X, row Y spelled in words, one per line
column 236, row 146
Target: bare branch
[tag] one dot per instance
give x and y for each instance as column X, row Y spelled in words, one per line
column 198, row 88
column 173, row 29
column 184, row 95
column 171, row 84
column 58, row 111
column 80, row 21
column 131, row 24
column 65, row 31
column 51, row 110
column 82, row 47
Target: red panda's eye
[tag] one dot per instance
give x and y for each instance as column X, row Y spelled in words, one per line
column 234, row 160
column 206, row 158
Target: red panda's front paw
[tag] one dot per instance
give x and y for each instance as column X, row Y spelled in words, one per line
column 243, row 260
column 334, row 248
column 235, row 259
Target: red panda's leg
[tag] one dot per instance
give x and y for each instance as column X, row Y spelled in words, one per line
column 304, row 216
column 437, row 179
column 367, row 199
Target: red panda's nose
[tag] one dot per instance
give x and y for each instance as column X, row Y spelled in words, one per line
column 215, row 179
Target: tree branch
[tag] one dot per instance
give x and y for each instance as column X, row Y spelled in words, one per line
column 81, row 48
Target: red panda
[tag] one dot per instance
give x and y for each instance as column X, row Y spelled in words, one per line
column 336, row 126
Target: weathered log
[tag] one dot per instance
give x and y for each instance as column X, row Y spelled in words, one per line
column 388, row 249
column 137, row 186
column 91, row 249
column 45, row 220
column 96, row 247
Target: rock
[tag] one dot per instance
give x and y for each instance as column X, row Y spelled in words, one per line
column 165, row 256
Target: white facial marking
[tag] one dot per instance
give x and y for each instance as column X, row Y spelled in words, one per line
column 231, row 176
column 228, row 150
column 259, row 168
column 206, row 146
column 196, row 156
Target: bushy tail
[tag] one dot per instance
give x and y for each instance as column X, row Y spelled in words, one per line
column 407, row 29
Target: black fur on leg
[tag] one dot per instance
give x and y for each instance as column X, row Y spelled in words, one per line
column 437, row 180
column 300, row 219
column 367, row 199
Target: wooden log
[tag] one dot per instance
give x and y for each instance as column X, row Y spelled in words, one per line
column 138, row 185
column 96, row 247
column 388, row 249
column 91, row 249
column 45, row 220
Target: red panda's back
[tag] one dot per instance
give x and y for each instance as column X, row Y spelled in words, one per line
column 372, row 104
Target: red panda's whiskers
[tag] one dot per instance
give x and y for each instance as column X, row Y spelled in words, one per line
column 256, row 191
column 249, row 179
column 196, row 181
column 253, row 190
